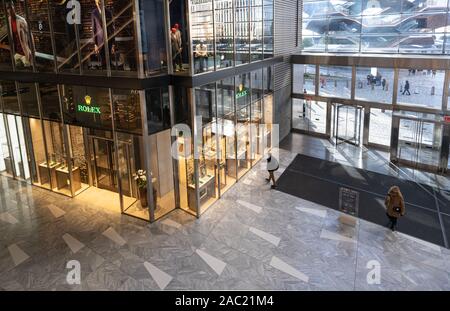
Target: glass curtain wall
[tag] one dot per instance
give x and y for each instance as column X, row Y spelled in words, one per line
column 381, row 26
column 5, row 54
column 232, row 113
column 223, row 33
column 91, row 37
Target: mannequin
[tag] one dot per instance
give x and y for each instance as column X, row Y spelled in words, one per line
column 176, row 50
column 201, row 54
column 98, row 33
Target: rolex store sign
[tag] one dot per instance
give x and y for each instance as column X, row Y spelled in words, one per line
column 87, row 106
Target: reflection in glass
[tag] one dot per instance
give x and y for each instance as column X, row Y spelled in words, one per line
column 202, row 35
column 9, row 97
column 242, row 32
column 223, row 23
column 42, row 170
column 5, row 54
column 121, row 37
column 158, row 109
column 383, row 26
column 38, row 20
column 127, row 110
column 28, row 98
column 153, row 35
column 23, row 42
column 66, row 47
column 6, row 161
column 309, row 115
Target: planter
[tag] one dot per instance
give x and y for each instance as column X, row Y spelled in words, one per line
column 143, row 197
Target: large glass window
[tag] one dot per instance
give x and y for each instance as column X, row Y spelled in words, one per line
column 50, row 101
column 5, row 54
column 374, row 84
column 22, row 38
column 380, row 127
column 308, row 115
column 202, row 35
column 304, row 79
column 153, row 35
column 418, row 87
column 6, row 161
column 121, row 37
column 39, row 23
column 9, row 97
column 256, row 30
column 268, row 18
column 335, row 81
column 158, row 109
column 127, row 110
column 380, row 26
column 242, row 31
column 28, row 98
column 67, row 58
column 205, row 99
column 224, row 17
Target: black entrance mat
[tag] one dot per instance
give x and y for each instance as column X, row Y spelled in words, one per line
column 320, row 181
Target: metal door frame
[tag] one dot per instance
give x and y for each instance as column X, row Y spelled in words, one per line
column 417, row 144
column 93, row 162
column 358, row 122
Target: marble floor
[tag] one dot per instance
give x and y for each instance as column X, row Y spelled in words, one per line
column 253, row 238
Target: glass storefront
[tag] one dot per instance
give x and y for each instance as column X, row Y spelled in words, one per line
column 223, row 33
column 88, row 143
column 83, row 37
column 235, row 130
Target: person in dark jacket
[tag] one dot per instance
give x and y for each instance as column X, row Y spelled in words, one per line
column 395, row 206
column 406, row 89
column 272, row 166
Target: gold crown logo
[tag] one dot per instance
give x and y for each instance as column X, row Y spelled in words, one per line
column 241, row 87
column 87, row 100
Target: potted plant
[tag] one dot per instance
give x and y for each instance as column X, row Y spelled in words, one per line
column 141, row 179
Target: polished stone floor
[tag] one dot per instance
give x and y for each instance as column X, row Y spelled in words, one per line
column 253, row 238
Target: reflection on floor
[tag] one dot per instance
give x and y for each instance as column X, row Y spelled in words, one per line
column 359, row 157
column 263, row 240
column 104, row 199
column 64, row 191
column 165, row 204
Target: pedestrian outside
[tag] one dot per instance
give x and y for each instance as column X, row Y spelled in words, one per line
column 406, row 88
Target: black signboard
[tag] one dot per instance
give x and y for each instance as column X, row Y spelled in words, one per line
column 348, row 201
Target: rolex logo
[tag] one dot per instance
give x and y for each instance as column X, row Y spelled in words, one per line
column 87, row 100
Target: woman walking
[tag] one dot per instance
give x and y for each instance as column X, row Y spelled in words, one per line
column 395, row 206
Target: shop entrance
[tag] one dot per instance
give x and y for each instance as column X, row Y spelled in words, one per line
column 104, row 168
column 347, row 125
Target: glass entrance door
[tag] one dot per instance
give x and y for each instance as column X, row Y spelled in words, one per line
column 347, row 124
column 104, row 166
column 419, row 143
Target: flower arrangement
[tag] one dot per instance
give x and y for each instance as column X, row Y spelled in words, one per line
column 141, row 178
